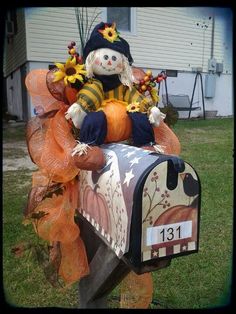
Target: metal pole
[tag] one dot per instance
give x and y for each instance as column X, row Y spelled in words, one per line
column 212, row 36
column 191, row 103
column 167, row 99
column 203, row 102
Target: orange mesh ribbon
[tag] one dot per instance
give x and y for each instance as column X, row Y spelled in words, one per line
column 136, row 291
column 53, row 198
column 166, row 137
column 54, row 194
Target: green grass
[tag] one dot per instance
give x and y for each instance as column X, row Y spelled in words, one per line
column 200, row 280
column 14, row 133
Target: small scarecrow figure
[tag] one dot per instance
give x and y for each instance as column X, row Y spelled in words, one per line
column 108, row 65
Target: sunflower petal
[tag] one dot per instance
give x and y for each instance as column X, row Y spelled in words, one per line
column 71, row 78
column 79, row 77
column 65, row 80
column 60, row 66
column 58, row 76
column 79, row 67
column 68, row 63
column 82, row 72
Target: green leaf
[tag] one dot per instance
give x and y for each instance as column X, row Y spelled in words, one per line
column 57, row 189
column 38, row 215
column 172, row 115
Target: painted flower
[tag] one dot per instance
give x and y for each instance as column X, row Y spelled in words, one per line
column 110, row 33
column 70, row 71
column 133, row 107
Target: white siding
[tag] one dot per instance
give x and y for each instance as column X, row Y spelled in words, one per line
column 50, row 30
column 223, row 42
column 15, row 50
column 165, row 37
column 168, row 38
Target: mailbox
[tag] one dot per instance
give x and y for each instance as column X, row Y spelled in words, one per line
column 145, row 206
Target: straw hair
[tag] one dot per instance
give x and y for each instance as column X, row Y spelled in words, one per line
column 126, row 76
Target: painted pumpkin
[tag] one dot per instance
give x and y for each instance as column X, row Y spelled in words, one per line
column 178, row 213
column 95, row 205
column 118, row 122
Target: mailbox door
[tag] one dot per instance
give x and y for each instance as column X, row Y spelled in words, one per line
column 165, row 221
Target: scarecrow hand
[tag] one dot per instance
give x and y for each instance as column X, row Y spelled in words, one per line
column 156, row 116
column 76, row 114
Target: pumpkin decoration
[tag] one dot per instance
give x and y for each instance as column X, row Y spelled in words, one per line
column 119, row 127
column 178, row 213
column 95, row 205
column 118, row 122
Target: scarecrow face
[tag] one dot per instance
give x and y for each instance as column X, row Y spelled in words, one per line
column 107, row 62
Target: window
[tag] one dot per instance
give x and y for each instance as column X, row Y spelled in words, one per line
column 11, row 24
column 124, row 17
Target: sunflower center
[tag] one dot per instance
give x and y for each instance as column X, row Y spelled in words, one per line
column 110, row 34
column 70, row 71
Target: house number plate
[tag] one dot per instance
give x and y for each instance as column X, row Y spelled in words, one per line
column 168, row 233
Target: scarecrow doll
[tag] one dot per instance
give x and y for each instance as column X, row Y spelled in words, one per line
column 108, row 65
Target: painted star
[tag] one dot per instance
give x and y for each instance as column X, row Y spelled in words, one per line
column 130, row 154
column 123, row 149
column 134, row 161
column 128, row 176
column 154, row 253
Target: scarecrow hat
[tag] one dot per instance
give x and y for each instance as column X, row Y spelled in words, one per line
column 105, row 35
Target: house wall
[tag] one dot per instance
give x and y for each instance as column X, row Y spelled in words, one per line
column 165, row 37
column 175, row 38
column 50, row 30
column 183, row 84
column 15, row 48
column 14, row 94
column 14, row 59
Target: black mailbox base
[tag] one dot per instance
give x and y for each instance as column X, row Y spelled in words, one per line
column 106, row 269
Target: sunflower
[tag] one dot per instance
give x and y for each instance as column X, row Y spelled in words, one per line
column 70, row 71
column 133, row 107
column 110, row 33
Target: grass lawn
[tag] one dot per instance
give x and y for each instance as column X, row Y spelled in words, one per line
column 196, row 281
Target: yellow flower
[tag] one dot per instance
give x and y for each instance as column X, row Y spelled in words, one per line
column 69, row 71
column 110, row 33
column 133, row 107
